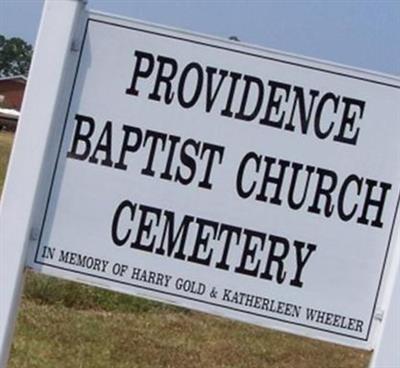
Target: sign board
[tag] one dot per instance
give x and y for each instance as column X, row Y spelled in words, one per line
column 225, row 178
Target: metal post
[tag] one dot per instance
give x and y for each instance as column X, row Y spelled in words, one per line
column 49, row 79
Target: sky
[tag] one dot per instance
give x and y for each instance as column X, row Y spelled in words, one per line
column 363, row 34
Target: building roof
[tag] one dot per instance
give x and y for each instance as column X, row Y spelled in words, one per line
column 15, row 78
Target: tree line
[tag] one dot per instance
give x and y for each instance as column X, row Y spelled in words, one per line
column 15, row 56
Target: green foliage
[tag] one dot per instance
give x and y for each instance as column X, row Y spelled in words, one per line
column 15, row 56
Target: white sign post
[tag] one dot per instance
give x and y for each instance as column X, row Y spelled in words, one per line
column 225, row 178
column 34, row 152
column 387, row 350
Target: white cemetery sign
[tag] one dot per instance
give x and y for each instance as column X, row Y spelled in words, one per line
column 222, row 177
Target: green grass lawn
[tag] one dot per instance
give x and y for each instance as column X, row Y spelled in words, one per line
column 68, row 325
column 6, row 139
column 53, row 335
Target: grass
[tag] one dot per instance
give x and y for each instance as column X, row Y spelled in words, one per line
column 57, row 336
column 48, row 291
column 68, row 325
column 6, row 139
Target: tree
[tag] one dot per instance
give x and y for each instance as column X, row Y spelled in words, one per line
column 15, row 56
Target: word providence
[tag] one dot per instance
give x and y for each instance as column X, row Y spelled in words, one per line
column 330, row 115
